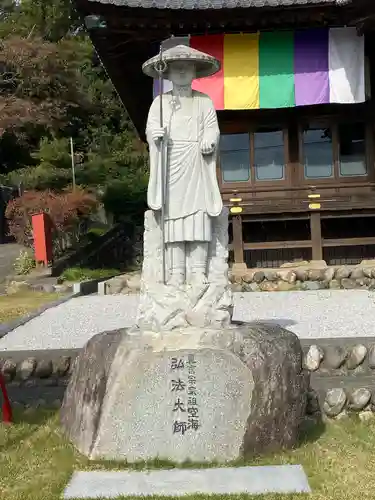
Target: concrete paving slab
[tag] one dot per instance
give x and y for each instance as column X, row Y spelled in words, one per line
column 179, row 482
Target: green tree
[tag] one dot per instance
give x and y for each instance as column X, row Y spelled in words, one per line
column 40, row 84
column 7, row 7
column 50, row 19
column 52, row 168
column 52, row 88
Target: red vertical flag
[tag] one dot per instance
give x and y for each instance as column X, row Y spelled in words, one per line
column 6, row 407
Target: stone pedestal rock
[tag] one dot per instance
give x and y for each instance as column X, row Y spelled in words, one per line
column 194, row 394
column 185, row 383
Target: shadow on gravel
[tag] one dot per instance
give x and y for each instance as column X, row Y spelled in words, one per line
column 284, row 323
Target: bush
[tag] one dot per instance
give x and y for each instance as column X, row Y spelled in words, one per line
column 94, row 233
column 68, row 212
column 24, row 263
column 126, row 200
column 82, row 274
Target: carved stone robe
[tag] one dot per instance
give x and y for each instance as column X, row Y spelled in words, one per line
column 192, row 191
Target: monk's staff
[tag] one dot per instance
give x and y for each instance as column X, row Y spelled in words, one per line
column 160, row 68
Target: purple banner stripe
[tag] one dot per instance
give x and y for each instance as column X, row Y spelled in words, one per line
column 311, row 67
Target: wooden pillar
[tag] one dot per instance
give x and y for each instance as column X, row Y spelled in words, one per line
column 316, row 236
column 237, row 239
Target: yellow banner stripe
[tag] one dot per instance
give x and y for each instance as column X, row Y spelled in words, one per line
column 241, row 71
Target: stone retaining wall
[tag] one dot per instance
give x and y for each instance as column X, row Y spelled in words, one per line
column 339, row 402
column 271, row 280
column 301, row 278
column 37, row 378
column 342, row 376
column 15, row 286
column 125, row 284
column 343, row 359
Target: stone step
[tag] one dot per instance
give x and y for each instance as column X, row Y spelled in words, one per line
column 179, row 482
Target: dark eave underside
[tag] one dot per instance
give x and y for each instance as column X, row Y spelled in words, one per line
column 217, row 4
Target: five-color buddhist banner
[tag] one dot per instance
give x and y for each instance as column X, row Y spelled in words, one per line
column 283, row 69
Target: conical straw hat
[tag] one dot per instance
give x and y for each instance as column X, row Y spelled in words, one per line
column 205, row 65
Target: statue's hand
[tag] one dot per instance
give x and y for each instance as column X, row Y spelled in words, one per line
column 207, row 147
column 158, row 133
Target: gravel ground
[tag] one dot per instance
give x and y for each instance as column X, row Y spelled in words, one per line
column 315, row 314
column 73, row 323
column 312, row 314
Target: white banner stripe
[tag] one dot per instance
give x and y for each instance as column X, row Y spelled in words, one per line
column 346, row 62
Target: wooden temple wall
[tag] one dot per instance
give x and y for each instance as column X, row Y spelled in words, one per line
column 305, row 184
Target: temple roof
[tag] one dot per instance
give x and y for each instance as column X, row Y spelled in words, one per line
column 217, row 4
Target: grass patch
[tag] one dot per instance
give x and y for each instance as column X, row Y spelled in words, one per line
column 21, row 303
column 82, row 274
column 36, row 462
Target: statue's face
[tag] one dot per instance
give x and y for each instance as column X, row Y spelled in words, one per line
column 181, row 73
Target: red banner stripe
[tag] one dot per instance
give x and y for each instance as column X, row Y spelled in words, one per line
column 212, row 85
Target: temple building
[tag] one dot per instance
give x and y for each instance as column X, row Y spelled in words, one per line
column 295, row 109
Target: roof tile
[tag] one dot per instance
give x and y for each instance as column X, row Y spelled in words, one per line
column 217, row 4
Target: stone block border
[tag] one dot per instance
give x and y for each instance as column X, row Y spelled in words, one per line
column 86, row 287
column 80, row 288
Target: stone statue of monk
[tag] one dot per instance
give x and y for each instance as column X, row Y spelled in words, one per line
column 190, row 135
